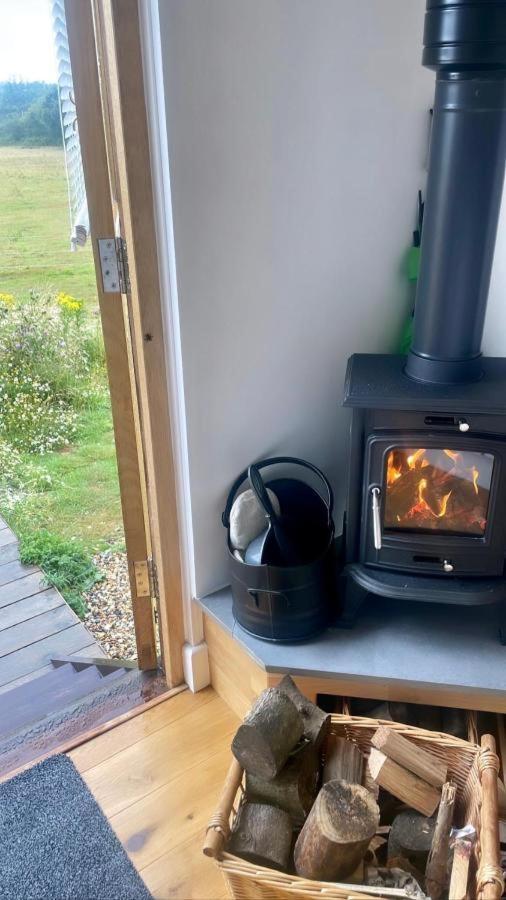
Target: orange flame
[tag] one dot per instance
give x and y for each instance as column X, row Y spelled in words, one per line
column 475, row 479
column 412, row 459
column 392, row 473
column 443, row 503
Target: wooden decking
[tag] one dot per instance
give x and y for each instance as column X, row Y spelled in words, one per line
column 35, row 621
column 157, row 778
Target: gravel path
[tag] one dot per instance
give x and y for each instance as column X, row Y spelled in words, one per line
column 110, row 617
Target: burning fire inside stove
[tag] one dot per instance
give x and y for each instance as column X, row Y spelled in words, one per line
column 437, row 489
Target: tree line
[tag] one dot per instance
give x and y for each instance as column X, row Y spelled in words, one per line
column 29, row 114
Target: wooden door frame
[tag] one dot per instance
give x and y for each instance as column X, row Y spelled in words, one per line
column 106, row 59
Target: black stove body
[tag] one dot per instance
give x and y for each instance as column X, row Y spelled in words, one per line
column 426, row 513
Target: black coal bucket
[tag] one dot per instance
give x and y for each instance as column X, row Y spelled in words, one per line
column 273, row 600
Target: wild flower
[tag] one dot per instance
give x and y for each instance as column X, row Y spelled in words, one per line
column 51, row 366
column 7, row 300
column 67, row 302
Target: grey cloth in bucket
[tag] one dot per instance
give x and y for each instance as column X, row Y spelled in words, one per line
column 247, row 518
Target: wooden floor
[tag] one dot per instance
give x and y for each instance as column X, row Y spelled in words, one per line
column 157, row 778
column 35, row 621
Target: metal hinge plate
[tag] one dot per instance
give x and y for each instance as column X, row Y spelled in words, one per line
column 155, row 591
column 114, row 265
column 142, row 578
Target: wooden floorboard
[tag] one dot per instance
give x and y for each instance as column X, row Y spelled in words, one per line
column 158, row 778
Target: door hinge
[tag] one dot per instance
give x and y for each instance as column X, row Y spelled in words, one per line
column 142, row 578
column 114, row 265
column 153, row 575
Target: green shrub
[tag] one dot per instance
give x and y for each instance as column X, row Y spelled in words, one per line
column 19, row 477
column 51, row 366
column 65, row 564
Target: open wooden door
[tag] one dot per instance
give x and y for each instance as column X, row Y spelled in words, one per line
column 105, row 53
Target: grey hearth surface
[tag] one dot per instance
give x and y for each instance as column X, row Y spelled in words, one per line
column 416, row 643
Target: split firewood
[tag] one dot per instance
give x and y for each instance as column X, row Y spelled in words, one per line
column 316, row 722
column 421, row 762
column 294, row 789
column 460, row 869
column 397, row 780
column 376, row 851
column 410, row 838
column 436, row 873
column 343, row 761
column 369, row 783
column 269, row 732
column 337, row 832
column 262, row 835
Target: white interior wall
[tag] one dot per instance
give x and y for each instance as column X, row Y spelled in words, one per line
column 297, row 137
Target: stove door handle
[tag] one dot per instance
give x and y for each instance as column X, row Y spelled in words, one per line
column 376, row 517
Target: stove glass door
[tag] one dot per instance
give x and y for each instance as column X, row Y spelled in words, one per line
column 436, row 489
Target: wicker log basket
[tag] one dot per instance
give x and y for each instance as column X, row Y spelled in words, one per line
column 474, row 769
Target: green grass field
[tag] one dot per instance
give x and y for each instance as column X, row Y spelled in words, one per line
column 83, row 501
column 35, row 229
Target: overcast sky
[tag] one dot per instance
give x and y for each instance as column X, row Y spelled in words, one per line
column 26, row 41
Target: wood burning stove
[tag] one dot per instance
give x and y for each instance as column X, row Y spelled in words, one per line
column 426, row 514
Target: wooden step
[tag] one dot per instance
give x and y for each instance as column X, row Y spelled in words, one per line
column 38, row 698
column 118, row 693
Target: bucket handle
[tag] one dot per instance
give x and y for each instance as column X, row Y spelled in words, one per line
column 273, row 461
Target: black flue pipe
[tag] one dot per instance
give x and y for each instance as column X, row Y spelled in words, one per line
column 465, row 42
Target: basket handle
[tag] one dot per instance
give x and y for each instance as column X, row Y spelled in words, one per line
column 274, row 461
column 489, row 877
column 218, row 829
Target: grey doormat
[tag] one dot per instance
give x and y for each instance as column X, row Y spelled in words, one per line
column 55, row 842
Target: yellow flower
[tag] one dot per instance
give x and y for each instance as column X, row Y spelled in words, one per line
column 68, row 302
column 7, row 299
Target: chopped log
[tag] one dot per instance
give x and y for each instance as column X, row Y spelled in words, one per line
column 460, row 869
column 410, row 838
column 401, row 712
column 269, row 732
column 294, row 789
column 337, row 832
column 316, row 722
column 407, row 787
column 381, row 711
column 428, row 717
column 414, row 758
column 436, row 873
column 343, row 761
column 262, row 835
column 454, row 721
